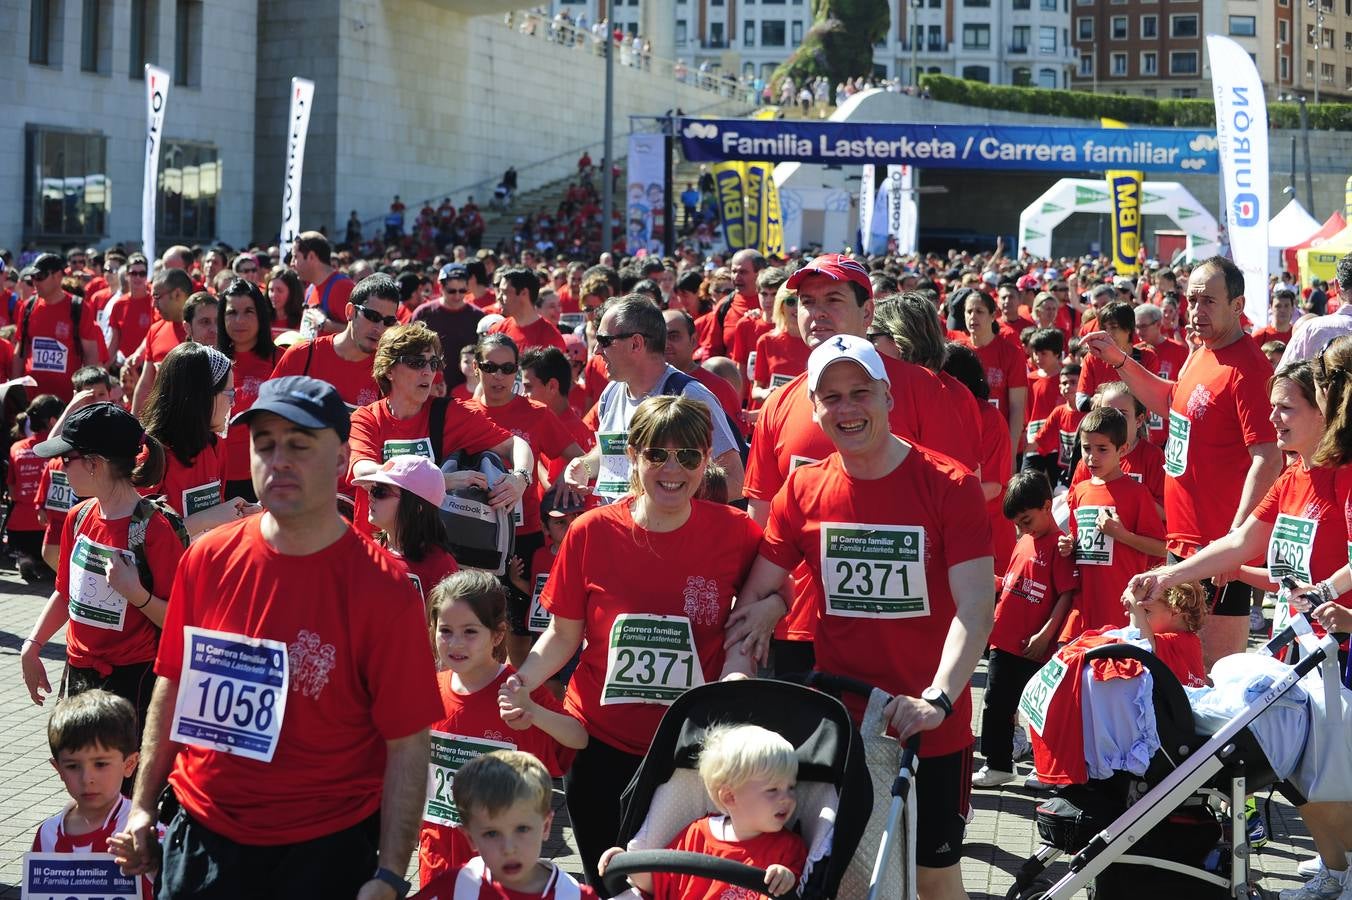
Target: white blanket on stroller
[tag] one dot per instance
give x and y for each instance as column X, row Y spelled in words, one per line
column 1239, row 681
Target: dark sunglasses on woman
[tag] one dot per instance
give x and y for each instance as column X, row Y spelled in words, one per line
column 421, row 362
column 494, row 368
column 688, row 457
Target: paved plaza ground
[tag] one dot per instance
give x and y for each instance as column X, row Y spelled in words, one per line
column 1000, row 836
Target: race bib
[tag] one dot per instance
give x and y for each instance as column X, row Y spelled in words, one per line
column 1092, row 547
column 60, row 495
column 874, row 571
column 1030, row 433
column 49, row 355
column 1067, row 448
column 201, row 497
column 652, row 659
column 76, row 876
column 449, row 753
column 92, row 599
column 420, row 447
column 231, row 693
column 1281, row 613
column 1176, row 448
column 1038, row 694
column 613, row 479
column 538, row 619
column 779, row 379
column 796, row 461
column 751, row 364
column 1155, row 422
column 1290, row 548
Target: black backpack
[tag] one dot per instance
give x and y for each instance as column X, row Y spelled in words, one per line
column 675, row 384
column 146, row 508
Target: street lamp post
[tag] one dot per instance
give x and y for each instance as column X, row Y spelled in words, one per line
column 915, row 44
column 607, row 161
column 1318, row 42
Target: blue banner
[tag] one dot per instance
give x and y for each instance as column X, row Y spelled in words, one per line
column 1021, row 147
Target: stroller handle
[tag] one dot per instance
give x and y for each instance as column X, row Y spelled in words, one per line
column 836, row 685
column 682, row 862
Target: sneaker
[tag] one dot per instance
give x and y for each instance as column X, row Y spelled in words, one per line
column 1309, row 868
column 989, row 778
column 1323, row 886
column 1023, row 748
column 1257, row 828
column 1033, row 783
column 1257, row 624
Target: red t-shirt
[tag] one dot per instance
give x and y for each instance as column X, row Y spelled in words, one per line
column 56, row 498
column 52, row 352
column 783, row 848
column 688, row 575
column 1309, row 536
column 537, row 425
column 51, row 836
column 913, row 607
column 1145, row 464
column 105, row 630
column 1036, row 578
column 475, row 718
column 540, row 333
column 1094, row 371
column 1218, row 409
column 1106, row 564
column 352, row 379
column 1044, row 393
column 251, row 370
column 1005, row 370
column 193, row 488
column 720, row 388
column 1181, row 651
column 163, row 336
column 1170, row 355
column 709, row 337
column 583, row 436
column 339, row 288
column 480, row 883
column 1057, row 434
column 1270, row 333
column 132, row 317
column 376, row 436
column 360, row 673
column 748, row 332
column 779, row 353
column 740, row 306
column 24, row 479
column 97, row 300
column 427, row 572
column 997, row 465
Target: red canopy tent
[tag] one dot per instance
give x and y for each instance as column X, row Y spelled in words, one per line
column 1335, row 225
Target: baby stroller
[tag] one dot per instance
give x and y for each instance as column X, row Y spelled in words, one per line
column 834, row 788
column 1164, row 830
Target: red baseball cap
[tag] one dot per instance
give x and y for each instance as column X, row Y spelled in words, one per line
column 836, row 266
column 1028, row 283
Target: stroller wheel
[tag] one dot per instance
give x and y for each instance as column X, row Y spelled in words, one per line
column 1034, row 891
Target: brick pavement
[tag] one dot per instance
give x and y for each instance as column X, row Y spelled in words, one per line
column 1000, row 836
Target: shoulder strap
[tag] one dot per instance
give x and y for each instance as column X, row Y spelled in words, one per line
column 721, row 311
column 81, row 516
column 136, row 534
column 436, row 426
column 76, row 308
column 676, row 383
column 309, row 355
column 23, row 325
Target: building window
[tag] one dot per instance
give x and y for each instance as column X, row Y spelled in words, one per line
column 1150, row 63
column 976, row 37
column 1084, row 28
column 1046, row 78
column 66, row 184
column 1328, row 37
column 1183, row 62
column 1326, row 72
column 1247, row 26
column 1183, row 26
column 188, row 43
column 749, row 33
column 1347, row 76
column 1309, row 70
column 1283, row 31
column 680, row 32
column 1284, row 66
column 1149, row 92
column 715, row 34
column 1118, row 28
column 190, row 184
column 1022, row 76
column 797, row 29
column 1086, row 65
column 1046, row 40
column 1048, row 6
column 772, row 33
column 1183, row 93
column 977, row 3
column 44, row 33
column 1022, row 5
column 977, row 73
column 934, row 43
column 96, row 37
column 1347, row 40
column 1150, row 27
column 1117, row 65
column 1019, row 39
column 144, row 36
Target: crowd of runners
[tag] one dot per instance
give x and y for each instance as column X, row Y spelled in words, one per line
column 284, row 673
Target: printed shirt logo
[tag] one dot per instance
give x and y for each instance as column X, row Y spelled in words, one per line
column 1199, row 401
column 310, row 662
column 366, row 397
column 701, row 600
column 1315, row 510
column 62, row 329
column 995, row 377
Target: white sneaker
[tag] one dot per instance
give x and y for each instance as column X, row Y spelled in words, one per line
column 1023, row 748
column 1323, row 886
column 1033, row 783
column 1308, row 868
column 989, row 778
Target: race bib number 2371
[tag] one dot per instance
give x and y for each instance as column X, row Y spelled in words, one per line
column 874, row 571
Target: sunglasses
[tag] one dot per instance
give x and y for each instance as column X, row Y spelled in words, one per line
column 372, row 316
column 605, row 340
column 446, row 290
column 136, row 273
column 382, row 491
column 421, row 362
column 489, row 368
column 688, row 457
column 720, row 290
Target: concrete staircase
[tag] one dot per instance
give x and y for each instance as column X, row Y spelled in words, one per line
column 498, row 225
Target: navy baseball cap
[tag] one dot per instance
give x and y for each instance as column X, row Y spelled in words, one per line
column 305, row 401
column 454, row 270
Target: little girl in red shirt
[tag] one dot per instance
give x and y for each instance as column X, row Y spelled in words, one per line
column 469, row 627
column 1172, row 623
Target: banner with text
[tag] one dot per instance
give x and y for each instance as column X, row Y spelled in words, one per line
column 302, row 97
column 867, row 186
column 903, row 213
column 748, row 206
column 647, row 186
column 1044, row 148
column 728, row 180
column 1242, row 139
column 760, row 181
column 1124, row 189
column 157, row 95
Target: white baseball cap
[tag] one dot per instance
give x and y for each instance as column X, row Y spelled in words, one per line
column 845, row 347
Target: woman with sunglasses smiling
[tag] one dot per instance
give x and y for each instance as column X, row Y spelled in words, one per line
column 407, row 360
column 112, row 617
column 649, row 582
column 188, row 413
column 497, row 362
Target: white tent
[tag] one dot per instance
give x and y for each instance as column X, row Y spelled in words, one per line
column 1090, row 195
column 1293, row 225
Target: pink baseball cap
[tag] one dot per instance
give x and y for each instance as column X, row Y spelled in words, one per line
column 836, row 266
column 415, row 474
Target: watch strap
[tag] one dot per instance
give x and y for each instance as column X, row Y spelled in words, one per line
column 401, row 887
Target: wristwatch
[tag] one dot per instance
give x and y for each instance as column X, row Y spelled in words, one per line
column 401, row 887
column 523, row 473
column 938, row 699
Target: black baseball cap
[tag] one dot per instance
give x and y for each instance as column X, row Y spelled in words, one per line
column 100, row 429
column 46, row 264
column 305, row 401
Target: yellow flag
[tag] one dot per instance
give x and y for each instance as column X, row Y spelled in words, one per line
column 729, row 181
column 1125, row 190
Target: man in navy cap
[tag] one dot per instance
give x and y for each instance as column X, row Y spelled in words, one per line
column 453, row 318
column 295, row 688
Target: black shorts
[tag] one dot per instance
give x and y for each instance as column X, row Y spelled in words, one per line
column 518, row 604
column 943, row 791
column 1234, row 598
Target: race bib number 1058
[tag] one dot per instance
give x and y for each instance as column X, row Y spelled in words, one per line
column 874, row 571
column 231, row 693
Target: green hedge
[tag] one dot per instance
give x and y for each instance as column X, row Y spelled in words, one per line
column 1198, row 113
